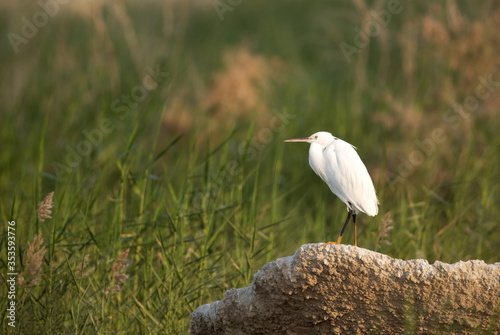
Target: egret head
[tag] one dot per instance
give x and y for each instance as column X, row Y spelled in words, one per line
column 323, row 138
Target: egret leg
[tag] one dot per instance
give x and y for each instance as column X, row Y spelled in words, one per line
column 354, row 222
column 349, row 214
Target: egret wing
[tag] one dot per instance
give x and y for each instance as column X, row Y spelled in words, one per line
column 348, row 178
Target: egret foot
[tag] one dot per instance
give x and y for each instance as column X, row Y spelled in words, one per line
column 338, row 241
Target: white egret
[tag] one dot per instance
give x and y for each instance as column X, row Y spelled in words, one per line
column 339, row 165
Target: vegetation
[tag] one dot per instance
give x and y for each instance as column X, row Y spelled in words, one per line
column 159, row 127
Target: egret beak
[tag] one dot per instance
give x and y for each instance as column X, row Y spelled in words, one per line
column 302, row 139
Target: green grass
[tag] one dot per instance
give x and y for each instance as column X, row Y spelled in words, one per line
column 201, row 208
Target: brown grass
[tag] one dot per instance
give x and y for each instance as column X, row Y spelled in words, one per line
column 81, row 267
column 456, row 53
column 468, row 46
column 118, row 275
column 238, row 91
column 434, row 31
column 44, row 208
column 383, row 230
column 238, row 87
column 34, row 259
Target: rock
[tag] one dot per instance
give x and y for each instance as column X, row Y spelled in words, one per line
column 343, row 289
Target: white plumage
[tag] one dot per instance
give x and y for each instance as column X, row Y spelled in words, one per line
column 340, row 166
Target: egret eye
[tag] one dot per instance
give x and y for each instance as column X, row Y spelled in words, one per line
column 316, row 137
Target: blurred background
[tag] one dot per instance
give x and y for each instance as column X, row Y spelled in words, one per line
column 159, row 125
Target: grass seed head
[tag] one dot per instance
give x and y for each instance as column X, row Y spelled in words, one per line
column 81, row 266
column 44, row 208
column 118, row 275
column 34, row 259
column 383, row 230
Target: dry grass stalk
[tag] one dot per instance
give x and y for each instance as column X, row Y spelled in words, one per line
column 238, row 90
column 383, row 230
column 44, row 208
column 80, row 268
column 434, row 31
column 118, row 275
column 34, row 259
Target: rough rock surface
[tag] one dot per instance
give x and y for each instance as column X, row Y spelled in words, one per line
column 342, row 289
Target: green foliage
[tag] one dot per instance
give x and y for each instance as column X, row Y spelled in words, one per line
column 202, row 205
